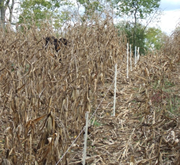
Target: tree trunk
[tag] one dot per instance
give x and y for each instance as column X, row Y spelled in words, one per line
column 135, row 27
column 2, row 14
column 11, row 11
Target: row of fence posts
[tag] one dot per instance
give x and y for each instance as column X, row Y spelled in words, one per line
column 129, row 58
column 129, row 61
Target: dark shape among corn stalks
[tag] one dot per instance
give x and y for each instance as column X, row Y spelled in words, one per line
column 58, row 43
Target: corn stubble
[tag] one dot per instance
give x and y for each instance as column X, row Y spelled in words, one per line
column 44, row 101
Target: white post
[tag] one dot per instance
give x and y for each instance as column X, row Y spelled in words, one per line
column 130, row 58
column 115, row 79
column 135, row 58
column 127, row 60
column 85, row 138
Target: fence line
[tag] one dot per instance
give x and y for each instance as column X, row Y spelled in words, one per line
column 130, row 54
column 85, row 139
column 127, row 60
column 114, row 81
column 85, row 126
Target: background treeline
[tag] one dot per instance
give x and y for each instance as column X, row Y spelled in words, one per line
column 138, row 16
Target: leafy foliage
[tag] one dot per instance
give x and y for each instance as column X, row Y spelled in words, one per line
column 92, row 7
column 138, row 8
column 146, row 39
column 155, row 38
column 39, row 10
column 128, row 29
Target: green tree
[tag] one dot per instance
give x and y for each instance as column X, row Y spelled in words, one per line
column 146, row 38
column 40, row 10
column 93, row 7
column 128, row 29
column 137, row 10
column 155, row 38
column 90, row 6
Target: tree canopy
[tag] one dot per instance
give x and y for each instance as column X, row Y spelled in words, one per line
column 136, row 10
column 146, row 38
column 155, row 38
column 40, row 10
column 139, row 9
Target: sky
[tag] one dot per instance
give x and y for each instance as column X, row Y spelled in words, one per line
column 170, row 15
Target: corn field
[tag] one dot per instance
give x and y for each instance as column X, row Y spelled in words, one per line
column 45, row 94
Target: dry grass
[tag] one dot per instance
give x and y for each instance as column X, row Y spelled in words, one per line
column 43, row 102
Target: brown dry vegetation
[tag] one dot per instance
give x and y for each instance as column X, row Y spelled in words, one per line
column 43, row 102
